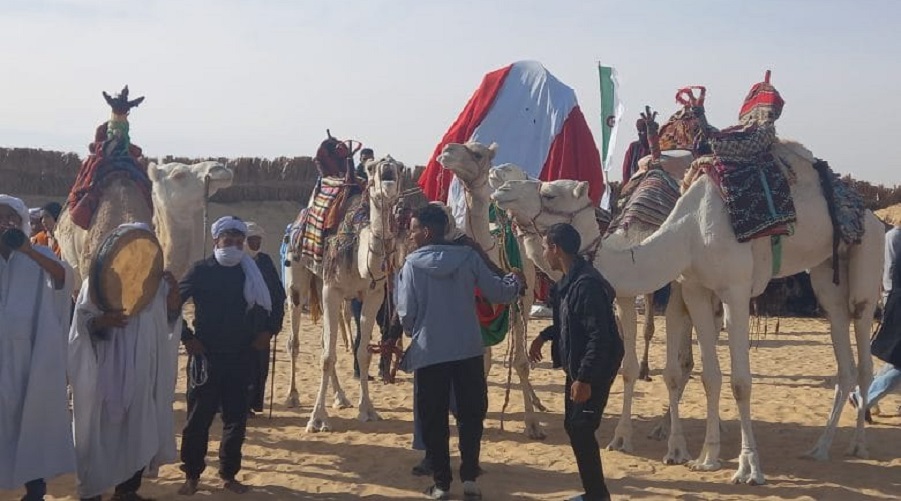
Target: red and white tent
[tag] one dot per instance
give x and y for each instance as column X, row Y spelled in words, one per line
column 536, row 122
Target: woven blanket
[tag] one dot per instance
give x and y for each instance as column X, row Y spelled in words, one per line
column 757, row 197
column 647, row 201
column 316, row 221
column 754, row 188
column 86, row 192
column 846, row 207
column 340, row 247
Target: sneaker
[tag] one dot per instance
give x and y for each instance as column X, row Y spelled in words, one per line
column 471, row 491
column 423, row 469
column 435, row 492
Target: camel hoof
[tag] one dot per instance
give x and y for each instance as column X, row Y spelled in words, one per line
column 678, row 456
column 708, row 465
column 644, row 373
column 620, row 444
column 817, row 454
column 535, row 432
column 659, row 433
column 858, row 449
column 369, row 415
column 341, row 402
column 293, row 400
column 748, row 479
column 317, row 425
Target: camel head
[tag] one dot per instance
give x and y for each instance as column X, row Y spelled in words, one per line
column 180, row 187
column 470, row 162
column 505, row 172
column 540, row 204
column 384, row 180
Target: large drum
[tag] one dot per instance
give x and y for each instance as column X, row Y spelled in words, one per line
column 127, row 271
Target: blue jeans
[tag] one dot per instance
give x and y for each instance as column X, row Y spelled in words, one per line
column 418, row 440
column 886, row 379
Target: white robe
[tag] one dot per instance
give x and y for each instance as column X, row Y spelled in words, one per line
column 35, row 428
column 123, row 388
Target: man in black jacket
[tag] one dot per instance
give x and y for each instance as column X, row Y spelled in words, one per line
column 231, row 307
column 260, row 372
column 586, row 344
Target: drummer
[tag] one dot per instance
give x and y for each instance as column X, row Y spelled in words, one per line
column 122, row 371
column 231, row 307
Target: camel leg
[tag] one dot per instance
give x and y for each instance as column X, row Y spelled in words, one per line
column 341, row 401
column 833, row 299
column 487, row 360
column 533, row 427
column 645, row 369
column 678, row 326
column 736, row 308
column 331, row 302
column 346, row 325
column 698, row 301
column 622, row 435
column 371, row 303
column 298, row 289
column 678, row 321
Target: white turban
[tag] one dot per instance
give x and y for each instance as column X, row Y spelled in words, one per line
column 228, row 223
column 21, row 209
column 255, row 230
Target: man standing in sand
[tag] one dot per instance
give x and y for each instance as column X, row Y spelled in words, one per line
column 434, row 297
column 231, row 307
column 587, row 345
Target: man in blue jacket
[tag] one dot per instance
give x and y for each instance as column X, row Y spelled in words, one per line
column 587, row 345
column 434, row 296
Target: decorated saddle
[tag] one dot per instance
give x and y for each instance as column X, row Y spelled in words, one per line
column 111, row 154
column 646, row 201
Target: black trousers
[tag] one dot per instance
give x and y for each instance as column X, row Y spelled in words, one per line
column 227, row 387
column 581, row 421
column 259, row 374
column 433, row 386
column 129, row 486
column 35, row 490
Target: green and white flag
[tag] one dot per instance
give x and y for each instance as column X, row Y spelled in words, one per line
column 611, row 112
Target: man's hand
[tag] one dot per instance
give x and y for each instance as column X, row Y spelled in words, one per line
column 262, row 341
column 580, row 392
column 109, row 319
column 535, row 350
column 194, row 347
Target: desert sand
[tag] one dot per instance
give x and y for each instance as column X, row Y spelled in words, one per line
column 792, row 395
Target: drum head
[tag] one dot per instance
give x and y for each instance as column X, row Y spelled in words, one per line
column 127, row 272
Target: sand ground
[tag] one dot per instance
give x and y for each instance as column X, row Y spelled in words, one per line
column 794, row 373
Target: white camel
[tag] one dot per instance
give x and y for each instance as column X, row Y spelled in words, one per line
column 178, row 195
column 471, row 163
column 697, row 244
column 530, row 242
column 375, row 254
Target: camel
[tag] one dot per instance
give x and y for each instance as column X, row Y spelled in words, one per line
column 178, row 195
column 471, row 163
column 697, row 244
column 375, row 254
column 626, row 312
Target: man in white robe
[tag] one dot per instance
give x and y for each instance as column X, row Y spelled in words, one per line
column 35, row 291
column 123, row 372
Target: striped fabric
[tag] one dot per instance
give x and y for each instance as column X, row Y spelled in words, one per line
column 650, row 202
column 314, row 219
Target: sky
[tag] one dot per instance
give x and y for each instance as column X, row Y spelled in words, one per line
column 266, row 78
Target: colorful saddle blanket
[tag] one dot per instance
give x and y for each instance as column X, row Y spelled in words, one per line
column 341, row 245
column 646, row 201
column 846, row 206
column 755, row 189
column 319, row 218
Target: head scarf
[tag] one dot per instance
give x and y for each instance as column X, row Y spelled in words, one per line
column 228, row 223
column 54, row 209
column 763, row 97
column 21, row 209
column 256, row 292
column 254, row 230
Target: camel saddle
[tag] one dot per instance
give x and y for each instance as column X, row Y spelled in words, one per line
column 127, row 271
column 674, row 162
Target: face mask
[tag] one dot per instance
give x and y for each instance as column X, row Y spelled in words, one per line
column 228, row 256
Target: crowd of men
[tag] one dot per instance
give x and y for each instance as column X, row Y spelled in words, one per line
column 121, row 370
